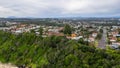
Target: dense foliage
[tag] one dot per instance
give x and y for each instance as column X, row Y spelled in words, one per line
column 53, row 52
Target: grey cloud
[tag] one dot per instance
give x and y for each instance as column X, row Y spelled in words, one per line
column 49, row 8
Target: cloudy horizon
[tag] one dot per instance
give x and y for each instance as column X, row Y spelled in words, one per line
column 60, row 8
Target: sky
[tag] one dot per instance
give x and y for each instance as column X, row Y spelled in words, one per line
column 59, row 8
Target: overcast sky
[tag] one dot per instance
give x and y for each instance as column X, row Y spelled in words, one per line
column 59, row 8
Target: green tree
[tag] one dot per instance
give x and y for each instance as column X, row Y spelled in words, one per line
column 41, row 30
column 67, row 29
column 33, row 31
column 101, row 30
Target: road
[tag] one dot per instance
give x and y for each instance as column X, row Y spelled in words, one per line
column 102, row 42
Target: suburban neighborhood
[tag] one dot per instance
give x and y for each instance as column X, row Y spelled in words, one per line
column 96, row 35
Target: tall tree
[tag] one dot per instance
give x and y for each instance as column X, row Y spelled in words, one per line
column 41, row 30
column 67, row 29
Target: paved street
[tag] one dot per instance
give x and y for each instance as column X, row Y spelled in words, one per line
column 102, row 42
